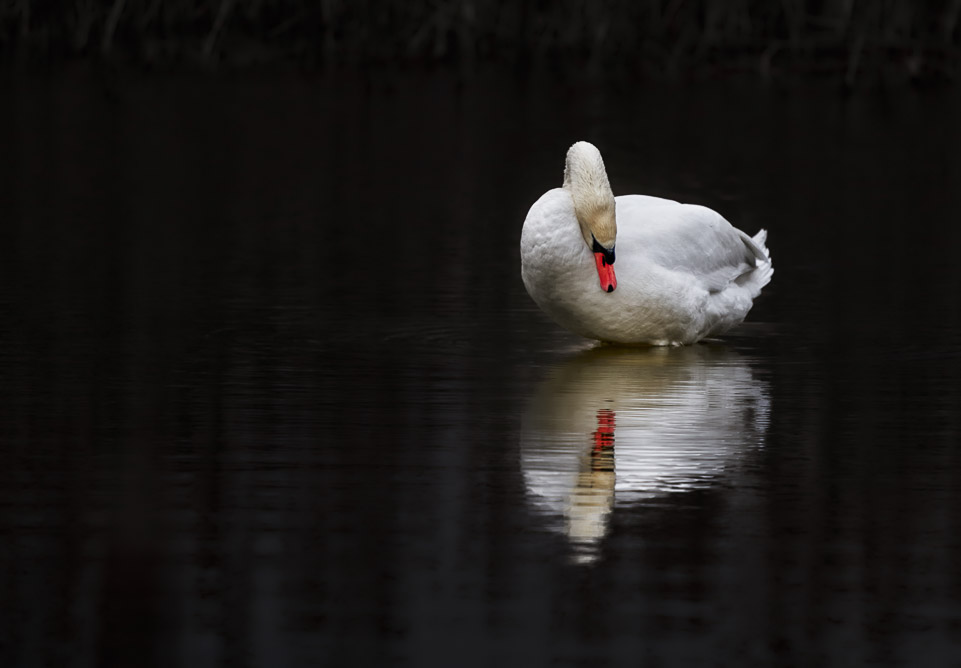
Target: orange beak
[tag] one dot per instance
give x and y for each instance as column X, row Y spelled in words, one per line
column 606, row 273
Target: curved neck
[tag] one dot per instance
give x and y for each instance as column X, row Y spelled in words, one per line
column 586, row 179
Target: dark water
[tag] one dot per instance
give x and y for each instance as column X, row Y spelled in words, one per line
column 273, row 393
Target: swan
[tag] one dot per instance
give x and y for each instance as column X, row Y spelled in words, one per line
column 683, row 271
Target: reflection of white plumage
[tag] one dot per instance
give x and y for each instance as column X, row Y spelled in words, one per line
column 631, row 424
column 682, row 271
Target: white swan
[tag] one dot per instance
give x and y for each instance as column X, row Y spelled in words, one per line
column 683, row 272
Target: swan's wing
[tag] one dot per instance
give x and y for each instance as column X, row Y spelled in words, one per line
column 688, row 238
column 635, row 202
column 758, row 252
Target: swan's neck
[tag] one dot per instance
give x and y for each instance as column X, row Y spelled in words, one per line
column 586, row 180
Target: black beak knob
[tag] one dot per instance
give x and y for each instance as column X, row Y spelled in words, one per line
column 608, row 253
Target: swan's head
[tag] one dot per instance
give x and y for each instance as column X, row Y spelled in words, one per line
column 586, row 180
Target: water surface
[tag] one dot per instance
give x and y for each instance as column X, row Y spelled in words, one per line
column 273, row 393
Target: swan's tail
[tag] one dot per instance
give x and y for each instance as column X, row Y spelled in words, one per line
column 761, row 276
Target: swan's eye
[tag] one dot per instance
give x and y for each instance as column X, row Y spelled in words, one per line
column 607, row 253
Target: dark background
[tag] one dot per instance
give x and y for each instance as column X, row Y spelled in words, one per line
column 893, row 39
column 272, row 392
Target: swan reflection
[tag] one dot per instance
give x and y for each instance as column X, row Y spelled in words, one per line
column 615, row 426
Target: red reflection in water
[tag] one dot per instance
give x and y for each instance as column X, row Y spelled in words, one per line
column 604, row 436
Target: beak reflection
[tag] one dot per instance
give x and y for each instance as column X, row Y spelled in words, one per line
column 613, row 429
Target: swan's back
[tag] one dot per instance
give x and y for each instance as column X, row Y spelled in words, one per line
column 688, row 238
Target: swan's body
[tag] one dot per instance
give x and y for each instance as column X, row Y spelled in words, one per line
column 683, row 272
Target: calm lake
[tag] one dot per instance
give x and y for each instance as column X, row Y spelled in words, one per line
column 273, row 393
